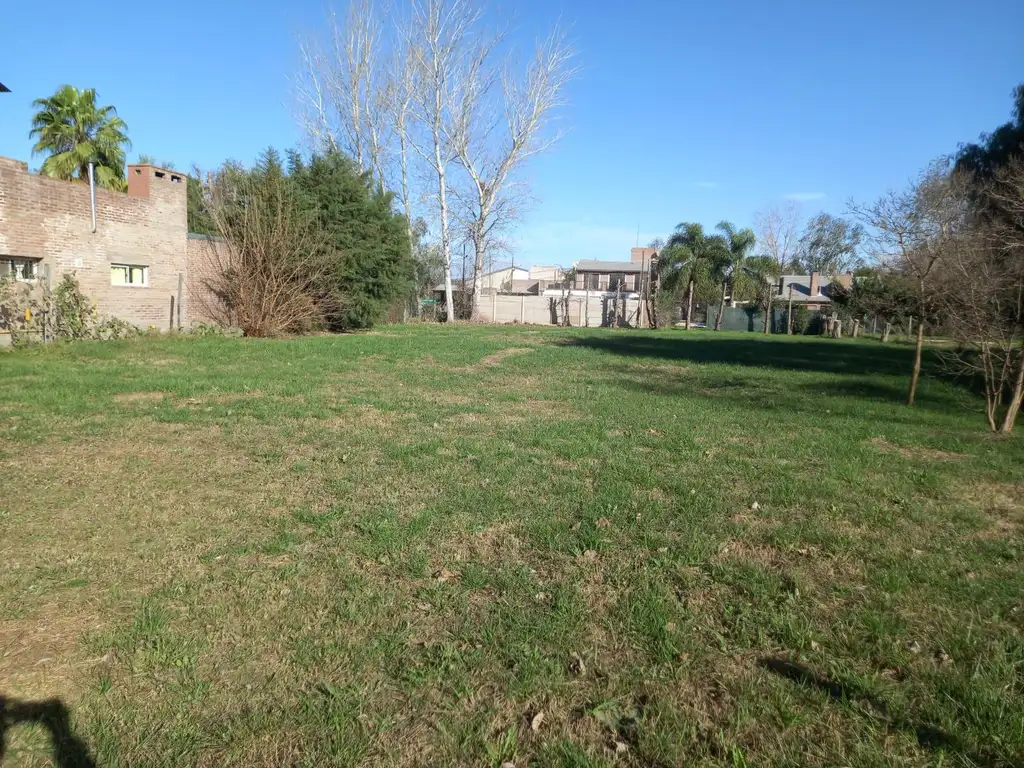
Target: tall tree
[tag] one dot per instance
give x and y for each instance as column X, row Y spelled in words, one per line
column 829, row 245
column 776, row 228
column 982, row 295
column 74, row 131
column 417, row 93
column 368, row 243
column 690, row 256
column 443, row 32
column 728, row 269
column 910, row 232
column 494, row 135
column 995, row 150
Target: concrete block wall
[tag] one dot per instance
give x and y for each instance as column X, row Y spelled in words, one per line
column 50, row 220
column 538, row 310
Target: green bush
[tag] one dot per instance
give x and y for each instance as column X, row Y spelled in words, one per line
column 801, row 319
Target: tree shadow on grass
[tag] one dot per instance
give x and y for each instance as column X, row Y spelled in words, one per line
column 792, row 353
column 68, row 750
column 928, row 737
column 830, row 396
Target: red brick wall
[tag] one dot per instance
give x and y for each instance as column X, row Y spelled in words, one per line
column 50, row 220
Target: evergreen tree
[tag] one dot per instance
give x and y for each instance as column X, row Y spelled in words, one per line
column 372, row 258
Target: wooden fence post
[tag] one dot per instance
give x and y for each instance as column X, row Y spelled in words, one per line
column 522, row 310
column 170, row 322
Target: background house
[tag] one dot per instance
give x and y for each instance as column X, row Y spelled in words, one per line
column 611, row 277
column 813, row 291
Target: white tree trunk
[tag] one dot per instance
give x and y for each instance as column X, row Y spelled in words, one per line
column 479, row 252
column 446, row 243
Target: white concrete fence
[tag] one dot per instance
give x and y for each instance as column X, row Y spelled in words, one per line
column 550, row 310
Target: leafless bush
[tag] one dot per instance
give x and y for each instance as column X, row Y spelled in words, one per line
column 910, row 233
column 982, row 298
column 272, row 278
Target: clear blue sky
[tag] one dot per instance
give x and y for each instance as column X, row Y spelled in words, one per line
column 683, row 111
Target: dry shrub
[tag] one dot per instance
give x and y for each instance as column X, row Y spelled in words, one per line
column 273, row 278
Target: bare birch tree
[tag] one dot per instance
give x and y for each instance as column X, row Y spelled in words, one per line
column 340, row 88
column 423, row 103
column 442, row 34
column 777, row 229
column 400, row 93
column 494, row 135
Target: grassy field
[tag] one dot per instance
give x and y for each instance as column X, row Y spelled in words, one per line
column 473, row 546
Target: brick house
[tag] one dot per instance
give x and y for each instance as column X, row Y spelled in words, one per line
column 133, row 262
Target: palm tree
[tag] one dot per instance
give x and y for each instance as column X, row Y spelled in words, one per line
column 689, row 256
column 74, row 132
column 729, row 268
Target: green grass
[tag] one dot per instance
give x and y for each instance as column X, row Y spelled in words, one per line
column 400, row 548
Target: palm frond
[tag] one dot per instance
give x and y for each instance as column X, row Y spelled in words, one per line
column 73, row 131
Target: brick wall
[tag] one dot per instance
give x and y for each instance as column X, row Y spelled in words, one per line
column 207, row 257
column 46, row 219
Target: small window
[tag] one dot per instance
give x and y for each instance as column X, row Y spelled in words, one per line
column 590, row 281
column 22, row 270
column 129, row 274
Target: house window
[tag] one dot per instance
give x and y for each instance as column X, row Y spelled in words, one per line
column 129, row 274
column 22, row 270
column 617, row 280
column 590, row 280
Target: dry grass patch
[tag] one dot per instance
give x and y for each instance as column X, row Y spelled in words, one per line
column 138, row 397
column 915, row 452
column 1002, row 505
column 498, row 544
column 221, row 398
column 38, row 653
column 134, row 510
column 745, row 551
column 495, row 359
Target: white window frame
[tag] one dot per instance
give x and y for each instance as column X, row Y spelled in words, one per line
column 129, row 268
column 8, row 263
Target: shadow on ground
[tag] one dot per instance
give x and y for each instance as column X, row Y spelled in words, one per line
column 68, row 750
column 929, row 737
column 793, row 353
